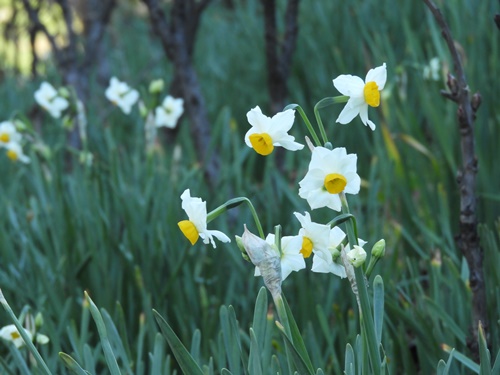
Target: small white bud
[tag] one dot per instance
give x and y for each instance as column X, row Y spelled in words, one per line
column 356, row 256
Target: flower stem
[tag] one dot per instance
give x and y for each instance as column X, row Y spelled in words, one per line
column 306, row 121
column 365, row 314
column 234, row 203
column 320, row 123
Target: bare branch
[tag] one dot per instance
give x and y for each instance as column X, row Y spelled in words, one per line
column 468, row 237
column 38, row 25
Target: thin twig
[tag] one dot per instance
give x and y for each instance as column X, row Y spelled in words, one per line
column 468, row 237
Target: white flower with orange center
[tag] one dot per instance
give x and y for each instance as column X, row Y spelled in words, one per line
column 315, row 237
column 169, row 112
column 330, row 172
column 361, row 94
column 291, row 258
column 49, row 99
column 122, row 95
column 10, row 333
column 196, row 226
column 15, row 152
column 8, row 133
column 266, row 132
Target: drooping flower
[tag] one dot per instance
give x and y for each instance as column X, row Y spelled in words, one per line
column 10, row 333
column 330, row 173
column 8, row 133
column 361, row 94
column 291, row 258
column 196, row 226
column 169, row 112
column 49, row 99
column 333, row 264
column 267, row 132
column 121, row 94
column 15, row 152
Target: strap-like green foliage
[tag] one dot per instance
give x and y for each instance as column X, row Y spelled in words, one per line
column 181, row 354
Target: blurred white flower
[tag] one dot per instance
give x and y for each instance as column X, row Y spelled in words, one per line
column 169, row 112
column 49, row 99
column 332, row 264
column 15, row 152
column 196, row 226
column 267, row 132
column 330, row 173
column 291, row 258
column 10, row 333
column 122, row 95
column 431, row 71
column 361, row 94
column 8, row 133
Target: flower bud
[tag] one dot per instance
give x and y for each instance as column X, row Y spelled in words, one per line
column 239, row 243
column 143, row 110
column 156, row 86
column 262, row 255
column 64, row 92
column 38, row 320
column 378, row 250
column 356, row 256
column 20, row 125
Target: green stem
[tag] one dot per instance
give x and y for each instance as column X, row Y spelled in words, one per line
column 365, row 315
column 320, row 123
column 234, row 203
column 306, row 121
column 27, row 340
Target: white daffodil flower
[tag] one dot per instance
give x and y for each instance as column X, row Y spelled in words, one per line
column 49, row 99
column 315, row 237
column 10, row 333
column 8, row 133
column 196, row 226
column 333, row 264
column 330, row 173
column 267, row 132
column 361, row 94
column 169, row 112
column 291, row 258
column 122, row 95
column 15, row 152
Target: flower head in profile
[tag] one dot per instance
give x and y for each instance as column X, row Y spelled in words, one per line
column 196, row 225
column 10, row 333
column 50, row 100
column 291, row 258
column 330, row 173
column 121, row 94
column 169, row 112
column 267, row 132
column 333, row 263
column 15, row 152
column 361, row 94
column 8, row 133
column 315, row 237
column 356, row 256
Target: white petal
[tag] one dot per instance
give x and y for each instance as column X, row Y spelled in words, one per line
column 349, row 85
column 363, row 114
column 377, row 75
column 283, row 121
column 258, row 120
column 348, row 114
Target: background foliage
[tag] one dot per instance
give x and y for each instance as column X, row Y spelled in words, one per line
column 110, row 229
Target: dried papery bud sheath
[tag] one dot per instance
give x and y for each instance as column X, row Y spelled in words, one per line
column 263, row 257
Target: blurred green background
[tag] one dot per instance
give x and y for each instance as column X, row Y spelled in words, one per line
column 111, row 228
